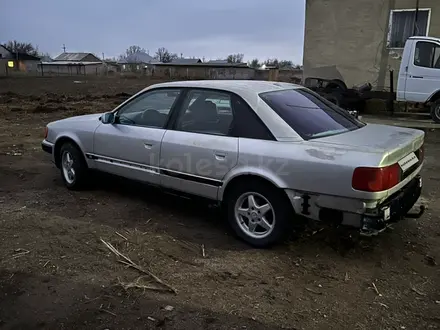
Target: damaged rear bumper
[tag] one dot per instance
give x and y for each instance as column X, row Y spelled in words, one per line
column 394, row 209
column 371, row 217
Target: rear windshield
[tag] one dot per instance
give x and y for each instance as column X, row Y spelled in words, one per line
column 309, row 114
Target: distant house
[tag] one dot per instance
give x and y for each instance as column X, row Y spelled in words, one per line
column 186, row 61
column 74, row 64
column 217, row 62
column 137, row 62
column 196, row 69
column 5, row 53
column 46, row 58
column 112, row 66
column 77, row 57
column 18, row 61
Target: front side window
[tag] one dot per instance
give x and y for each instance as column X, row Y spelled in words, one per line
column 309, row 114
column 403, row 25
column 427, row 54
column 150, row 109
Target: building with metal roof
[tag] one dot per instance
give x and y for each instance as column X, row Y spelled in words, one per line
column 137, row 58
column 77, row 57
column 186, row 61
column 217, row 62
column 18, row 61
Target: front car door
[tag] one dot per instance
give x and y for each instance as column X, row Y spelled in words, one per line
column 198, row 150
column 423, row 78
column 131, row 146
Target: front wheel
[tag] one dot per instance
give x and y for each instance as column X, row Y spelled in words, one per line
column 73, row 167
column 259, row 213
column 435, row 111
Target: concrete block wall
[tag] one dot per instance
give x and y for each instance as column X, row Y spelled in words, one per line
column 352, row 36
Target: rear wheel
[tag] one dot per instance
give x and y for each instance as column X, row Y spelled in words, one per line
column 73, row 167
column 259, row 213
column 435, row 111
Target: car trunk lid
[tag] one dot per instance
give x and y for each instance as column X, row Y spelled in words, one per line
column 396, row 143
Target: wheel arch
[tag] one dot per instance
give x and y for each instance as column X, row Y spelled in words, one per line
column 434, row 97
column 241, row 176
column 62, row 140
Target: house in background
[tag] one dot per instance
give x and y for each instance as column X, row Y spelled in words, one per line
column 217, row 61
column 137, row 62
column 112, row 66
column 46, row 58
column 195, row 69
column 18, row 61
column 74, row 64
column 186, row 61
column 77, row 57
column 361, row 40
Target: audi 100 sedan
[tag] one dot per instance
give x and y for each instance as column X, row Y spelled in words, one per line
column 270, row 153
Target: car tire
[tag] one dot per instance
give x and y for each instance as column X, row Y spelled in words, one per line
column 435, row 111
column 280, row 216
column 73, row 167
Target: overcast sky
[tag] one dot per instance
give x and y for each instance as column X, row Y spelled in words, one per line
column 202, row 28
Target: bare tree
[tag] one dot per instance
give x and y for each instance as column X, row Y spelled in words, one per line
column 22, row 47
column 272, row 62
column 235, row 58
column 133, row 50
column 164, row 56
column 255, row 63
column 282, row 64
column 286, row 64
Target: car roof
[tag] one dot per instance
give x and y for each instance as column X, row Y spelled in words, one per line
column 424, row 38
column 236, row 86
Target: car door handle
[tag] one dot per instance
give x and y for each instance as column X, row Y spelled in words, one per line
column 148, row 145
column 220, row 156
column 417, row 77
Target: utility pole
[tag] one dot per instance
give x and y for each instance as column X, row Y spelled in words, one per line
column 64, row 48
column 16, row 55
column 416, row 28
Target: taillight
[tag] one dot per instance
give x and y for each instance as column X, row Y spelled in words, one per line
column 375, row 179
column 46, row 132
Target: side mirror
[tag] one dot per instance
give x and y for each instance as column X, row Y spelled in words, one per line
column 108, row 118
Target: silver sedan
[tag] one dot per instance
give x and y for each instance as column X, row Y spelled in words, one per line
column 268, row 152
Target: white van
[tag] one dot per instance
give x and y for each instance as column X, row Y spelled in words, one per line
column 419, row 75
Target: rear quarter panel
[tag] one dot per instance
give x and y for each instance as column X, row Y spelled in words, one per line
column 303, row 166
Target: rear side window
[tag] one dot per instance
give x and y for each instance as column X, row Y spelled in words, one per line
column 208, row 111
column 309, row 114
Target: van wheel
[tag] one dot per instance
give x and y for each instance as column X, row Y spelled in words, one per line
column 259, row 213
column 435, row 111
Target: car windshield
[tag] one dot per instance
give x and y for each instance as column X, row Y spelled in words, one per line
column 309, row 114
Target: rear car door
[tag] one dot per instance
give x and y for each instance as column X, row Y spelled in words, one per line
column 198, row 149
column 131, row 146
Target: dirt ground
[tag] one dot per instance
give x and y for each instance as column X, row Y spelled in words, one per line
column 56, row 273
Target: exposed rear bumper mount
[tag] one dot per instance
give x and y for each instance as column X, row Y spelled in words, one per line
column 394, row 209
